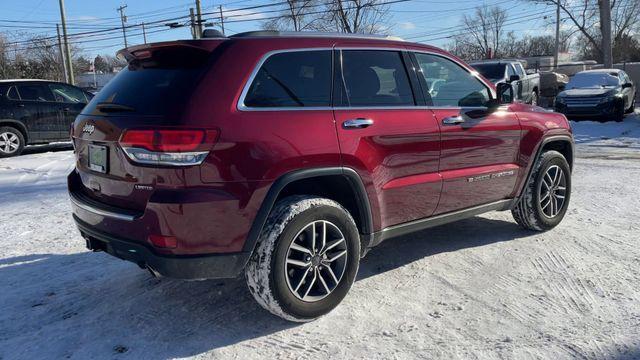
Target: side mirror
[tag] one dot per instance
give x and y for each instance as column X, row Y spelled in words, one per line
column 513, row 78
column 505, row 93
column 627, row 85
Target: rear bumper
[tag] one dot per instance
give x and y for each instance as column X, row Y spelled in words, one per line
column 189, row 267
column 204, row 220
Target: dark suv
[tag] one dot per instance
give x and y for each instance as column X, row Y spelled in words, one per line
column 605, row 93
column 37, row 112
column 288, row 156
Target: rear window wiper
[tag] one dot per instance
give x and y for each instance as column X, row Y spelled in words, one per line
column 112, row 107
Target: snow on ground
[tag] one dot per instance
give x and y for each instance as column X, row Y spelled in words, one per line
column 481, row 288
column 597, row 139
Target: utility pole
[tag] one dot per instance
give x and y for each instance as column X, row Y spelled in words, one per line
column 63, row 62
column 605, row 27
column 123, row 19
column 199, row 18
column 144, row 33
column 221, row 19
column 70, row 79
column 557, row 50
column 194, row 32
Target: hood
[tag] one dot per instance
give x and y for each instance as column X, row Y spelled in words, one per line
column 588, row 92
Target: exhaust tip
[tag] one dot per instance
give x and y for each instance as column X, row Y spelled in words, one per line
column 154, row 272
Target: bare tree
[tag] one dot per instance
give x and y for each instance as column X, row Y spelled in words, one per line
column 299, row 15
column 358, row 16
column 38, row 57
column 583, row 16
column 482, row 33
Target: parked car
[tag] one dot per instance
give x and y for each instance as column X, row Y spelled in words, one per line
column 37, row 112
column 526, row 86
column 287, row 156
column 605, row 93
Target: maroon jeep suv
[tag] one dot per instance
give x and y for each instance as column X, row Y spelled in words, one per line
column 286, row 157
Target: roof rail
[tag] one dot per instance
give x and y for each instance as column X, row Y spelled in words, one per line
column 273, row 33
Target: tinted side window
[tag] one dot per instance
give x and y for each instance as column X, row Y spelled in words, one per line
column 292, row 79
column 510, row 71
column 457, row 87
column 376, row 78
column 35, row 92
column 67, row 94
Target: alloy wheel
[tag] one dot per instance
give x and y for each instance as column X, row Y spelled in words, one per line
column 553, row 191
column 316, row 261
column 9, row 142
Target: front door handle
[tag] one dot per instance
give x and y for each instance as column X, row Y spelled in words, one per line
column 359, row 123
column 453, row 120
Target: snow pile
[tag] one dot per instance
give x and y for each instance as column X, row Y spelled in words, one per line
column 613, row 134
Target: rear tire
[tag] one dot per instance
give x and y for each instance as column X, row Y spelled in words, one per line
column 306, row 260
column 11, row 142
column 545, row 198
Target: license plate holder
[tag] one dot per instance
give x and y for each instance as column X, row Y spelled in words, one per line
column 98, row 158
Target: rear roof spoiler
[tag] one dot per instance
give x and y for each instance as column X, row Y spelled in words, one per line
column 145, row 51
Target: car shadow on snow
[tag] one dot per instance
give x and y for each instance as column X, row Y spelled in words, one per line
column 88, row 305
column 463, row 234
column 53, row 147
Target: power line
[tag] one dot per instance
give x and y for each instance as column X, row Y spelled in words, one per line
column 185, row 17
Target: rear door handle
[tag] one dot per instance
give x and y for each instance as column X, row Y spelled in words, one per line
column 453, row 120
column 359, row 123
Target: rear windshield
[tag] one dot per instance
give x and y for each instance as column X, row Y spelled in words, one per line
column 490, row 71
column 156, row 86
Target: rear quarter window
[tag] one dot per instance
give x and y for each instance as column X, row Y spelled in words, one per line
column 13, row 94
column 292, row 79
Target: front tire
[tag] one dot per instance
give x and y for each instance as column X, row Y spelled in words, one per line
column 545, row 199
column 11, row 142
column 619, row 114
column 306, row 260
column 632, row 107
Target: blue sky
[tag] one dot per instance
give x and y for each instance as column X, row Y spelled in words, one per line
column 415, row 20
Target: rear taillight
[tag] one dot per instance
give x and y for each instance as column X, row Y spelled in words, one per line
column 168, row 147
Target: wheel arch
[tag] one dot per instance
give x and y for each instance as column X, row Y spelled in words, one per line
column 340, row 184
column 18, row 125
column 561, row 143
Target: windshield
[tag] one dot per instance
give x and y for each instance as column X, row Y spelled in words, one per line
column 490, row 71
column 592, row 80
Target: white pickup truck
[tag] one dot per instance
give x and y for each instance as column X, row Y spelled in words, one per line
column 526, row 86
